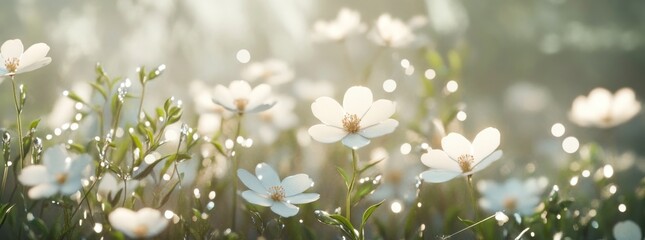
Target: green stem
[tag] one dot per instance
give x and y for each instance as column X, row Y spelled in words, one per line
column 471, row 190
column 233, row 155
column 350, row 188
column 16, row 101
column 143, row 93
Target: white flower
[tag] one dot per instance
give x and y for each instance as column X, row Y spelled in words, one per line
column 604, row 110
column 460, row 157
column 501, row 218
column 110, row 186
column 272, row 71
column 58, row 174
column 15, row 61
column 146, row 222
column 270, row 123
column 347, row 22
column 391, row 32
column 240, row 98
column 268, row 191
column 512, row 196
column 359, row 119
column 627, row 230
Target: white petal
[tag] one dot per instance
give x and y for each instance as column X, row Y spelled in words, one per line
column 222, row 96
column 456, row 145
column 296, row 184
column 34, row 53
column 355, row 141
column 485, row 143
column 284, row 209
column 326, row 134
column 79, row 164
column 379, row 111
column 357, row 100
column 438, row 159
column 109, row 184
column 487, row 161
column 328, row 111
column 70, row 186
column 624, row 106
column 380, row 129
column 33, row 175
column 261, row 107
column 54, row 159
column 35, row 65
column 43, row 190
column 124, row 220
column 268, row 177
column 11, row 49
column 240, row 89
column 153, row 220
column 256, row 199
column 303, row 198
column 438, row 175
column 258, row 95
column 251, row 181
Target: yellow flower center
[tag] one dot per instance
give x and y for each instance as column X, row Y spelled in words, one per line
column 465, row 162
column 266, row 116
column 12, row 64
column 351, row 123
column 276, row 193
column 140, row 231
column 61, row 178
column 510, row 204
column 241, row 103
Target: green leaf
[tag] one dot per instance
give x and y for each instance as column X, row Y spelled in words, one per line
column 219, row 147
column 344, row 175
column 75, row 97
column 337, row 221
column 4, row 211
column 167, row 197
column 368, row 212
column 142, row 75
column 34, row 124
column 365, row 188
column 466, row 221
column 100, row 89
column 370, row 165
column 148, row 169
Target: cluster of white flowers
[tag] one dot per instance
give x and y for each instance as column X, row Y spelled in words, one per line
column 387, row 31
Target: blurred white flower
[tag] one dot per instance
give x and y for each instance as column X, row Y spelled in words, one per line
column 270, row 123
column 391, row 32
column 272, row 71
column 501, row 218
column 447, row 17
column 210, row 114
column 58, row 174
column 110, row 186
column 146, row 222
column 359, row 119
column 268, row 191
column 15, row 61
column 346, row 23
column 627, row 230
column 460, row 157
column 512, row 196
column 240, row 98
column 604, row 110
